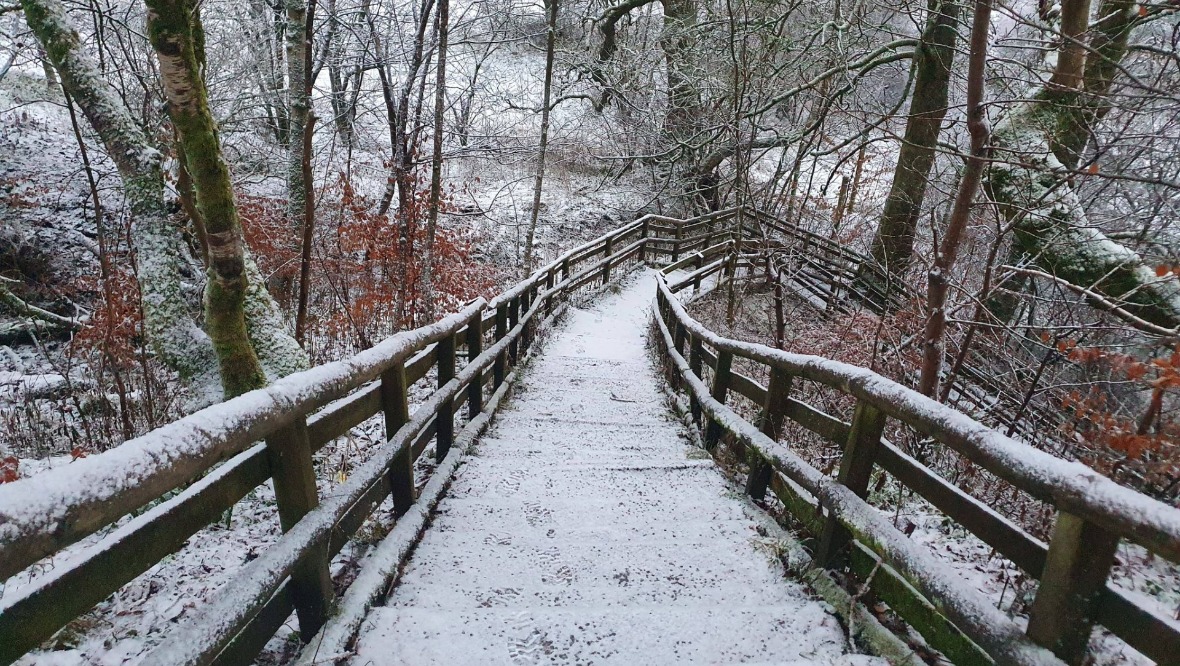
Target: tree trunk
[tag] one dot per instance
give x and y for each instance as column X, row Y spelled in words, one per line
column 308, row 237
column 939, row 279
column 679, row 46
column 298, row 45
column 168, row 323
column 176, row 35
column 550, row 45
column 442, row 19
column 893, row 243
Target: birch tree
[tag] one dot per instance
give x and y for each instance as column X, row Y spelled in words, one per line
column 234, row 292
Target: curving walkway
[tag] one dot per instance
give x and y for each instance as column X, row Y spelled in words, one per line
column 584, row 529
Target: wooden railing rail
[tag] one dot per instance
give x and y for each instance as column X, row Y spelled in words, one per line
column 74, row 501
column 1094, row 512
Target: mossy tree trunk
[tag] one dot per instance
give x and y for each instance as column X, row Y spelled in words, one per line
column 176, row 35
column 1038, row 146
column 170, row 326
column 893, row 243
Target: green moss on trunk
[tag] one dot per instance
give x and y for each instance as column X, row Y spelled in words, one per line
column 175, row 32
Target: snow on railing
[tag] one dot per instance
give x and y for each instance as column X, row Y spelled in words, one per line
column 1094, row 512
column 42, row 515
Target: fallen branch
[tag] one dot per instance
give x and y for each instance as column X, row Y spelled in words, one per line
column 24, row 309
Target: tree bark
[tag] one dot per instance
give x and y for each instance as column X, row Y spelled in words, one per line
column 168, row 322
column 1040, row 140
column 442, row 21
column 176, row 35
column 893, row 243
column 298, row 36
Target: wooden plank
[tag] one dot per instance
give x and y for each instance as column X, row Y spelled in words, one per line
column 344, row 415
column 419, row 364
column 1153, row 635
column 747, row 387
column 244, row 647
column 422, row 440
column 293, row 471
column 819, row 422
column 915, row 609
column 801, row 505
column 1079, row 561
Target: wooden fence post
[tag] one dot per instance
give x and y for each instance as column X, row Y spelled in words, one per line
column 565, row 269
column 608, row 248
column 1079, row 561
column 474, row 349
column 698, row 264
column 676, row 245
column 499, row 368
column 643, row 232
column 395, row 405
column 856, row 466
column 719, row 391
column 695, row 359
column 526, row 300
column 549, row 281
column 678, row 339
column 513, row 320
column 445, row 422
column 774, row 409
column 293, row 471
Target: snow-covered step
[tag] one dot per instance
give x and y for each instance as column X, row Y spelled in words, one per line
column 519, row 514
column 584, row 529
column 780, row 634
column 475, row 570
column 687, row 479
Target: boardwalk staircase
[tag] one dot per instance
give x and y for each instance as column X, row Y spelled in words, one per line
column 180, row 478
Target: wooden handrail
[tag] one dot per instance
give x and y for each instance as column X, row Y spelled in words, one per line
column 74, row 501
column 1073, row 488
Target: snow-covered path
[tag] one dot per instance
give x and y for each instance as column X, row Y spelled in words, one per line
column 585, row 529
